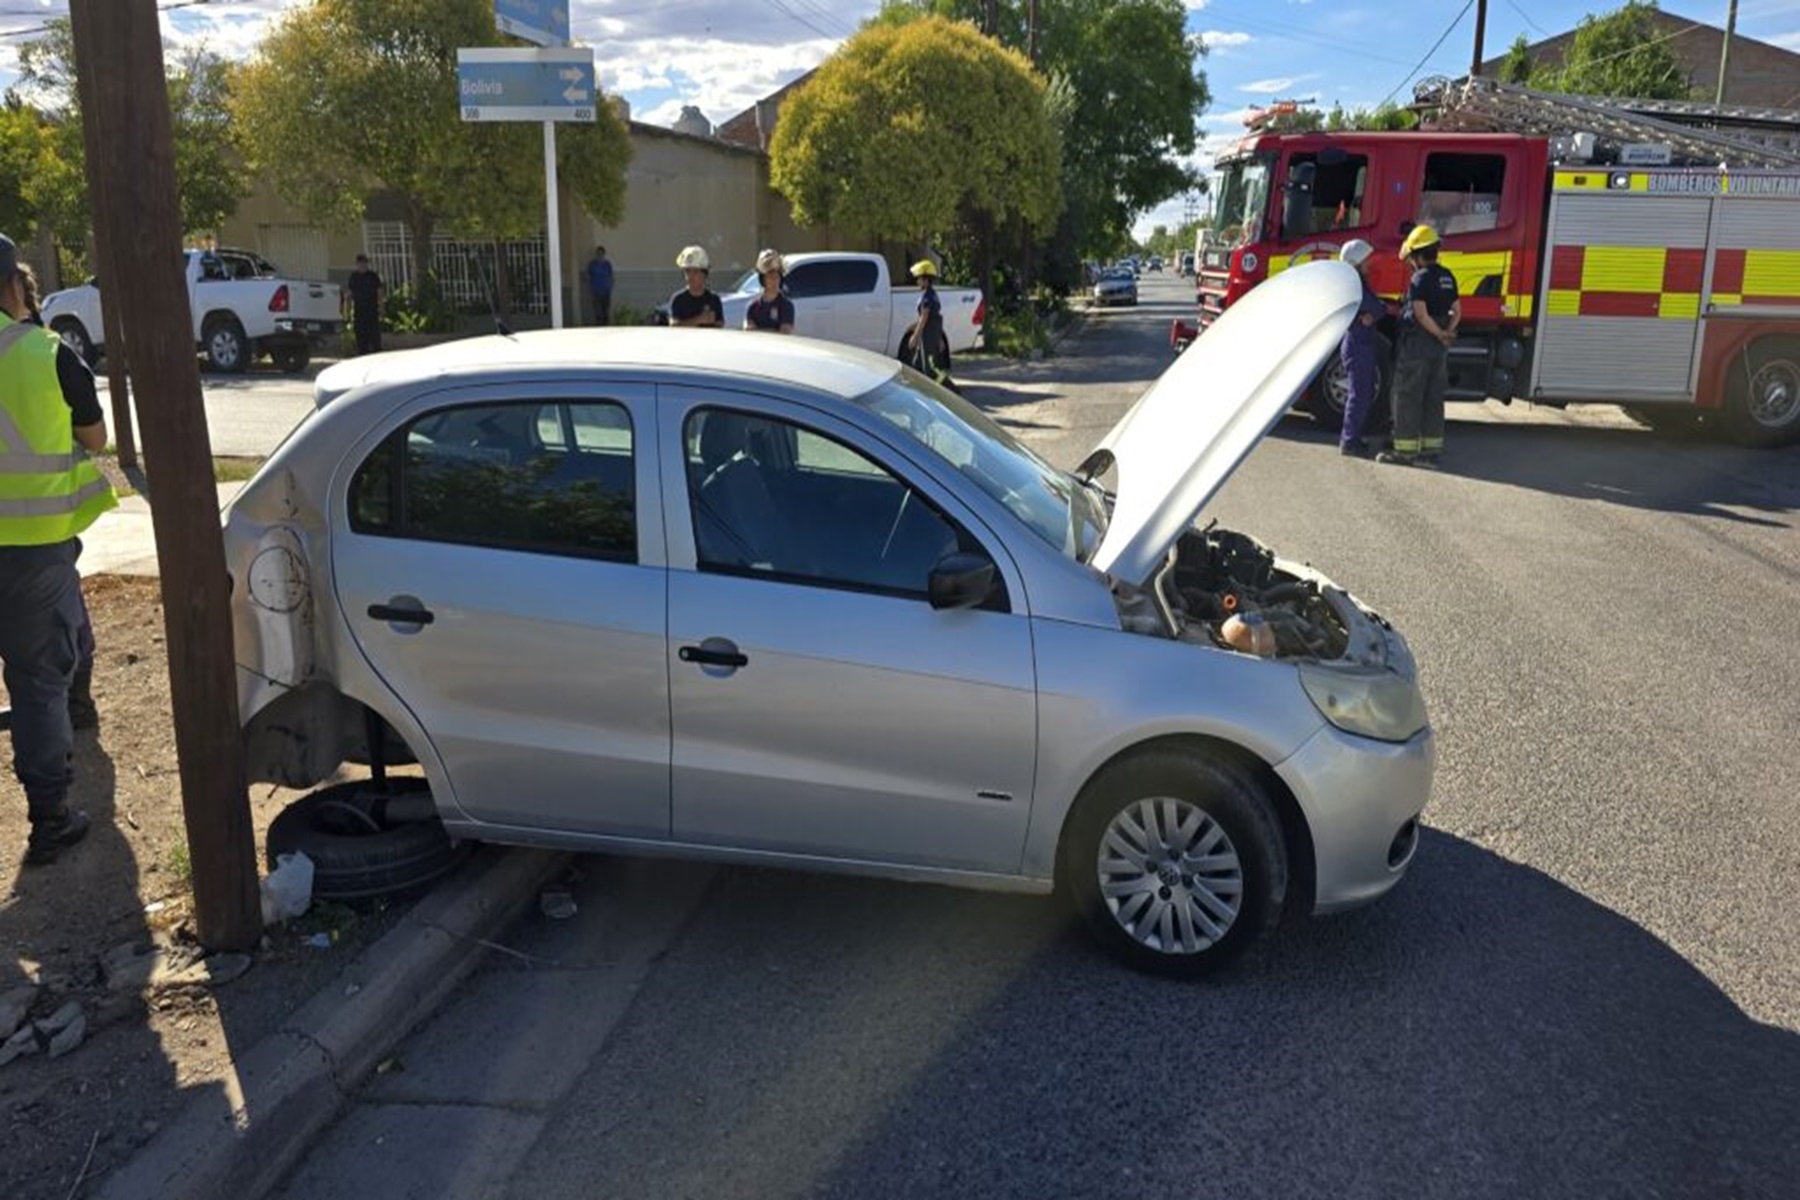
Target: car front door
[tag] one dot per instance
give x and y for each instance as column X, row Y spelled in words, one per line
column 820, row 704
column 498, row 557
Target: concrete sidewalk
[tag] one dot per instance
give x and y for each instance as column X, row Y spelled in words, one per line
column 123, row 542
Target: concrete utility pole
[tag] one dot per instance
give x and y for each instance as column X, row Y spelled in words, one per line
column 1480, row 36
column 118, row 48
column 124, row 435
column 1725, row 49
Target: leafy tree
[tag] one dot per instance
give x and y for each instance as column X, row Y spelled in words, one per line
column 1517, row 66
column 345, row 97
column 1619, row 54
column 208, row 167
column 920, row 130
column 1386, row 117
column 1135, row 93
column 1301, row 120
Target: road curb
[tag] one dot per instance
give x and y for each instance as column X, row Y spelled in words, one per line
column 1077, row 318
column 294, row 1082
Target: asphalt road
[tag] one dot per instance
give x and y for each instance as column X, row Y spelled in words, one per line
column 1588, row 986
column 248, row 415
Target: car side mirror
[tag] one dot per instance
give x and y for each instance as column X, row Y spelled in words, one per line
column 962, row 580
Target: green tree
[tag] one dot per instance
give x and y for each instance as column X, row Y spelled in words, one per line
column 1386, row 117
column 918, row 132
column 346, row 97
column 1619, row 54
column 1135, row 93
column 1517, row 66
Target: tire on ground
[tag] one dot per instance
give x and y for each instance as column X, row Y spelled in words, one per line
column 1762, row 393
column 229, row 327
column 1225, row 792
column 350, row 865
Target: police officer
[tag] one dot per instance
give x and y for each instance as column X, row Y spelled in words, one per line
column 771, row 311
column 1429, row 317
column 49, row 493
column 696, row 305
column 1359, row 352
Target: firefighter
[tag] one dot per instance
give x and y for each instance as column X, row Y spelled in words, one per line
column 49, row 494
column 1429, row 315
column 696, row 306
column 930, row 347
column 1359, row 353
column 771, row 311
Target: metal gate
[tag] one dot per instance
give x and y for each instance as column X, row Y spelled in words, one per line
column 465, row 271
column 300, row 251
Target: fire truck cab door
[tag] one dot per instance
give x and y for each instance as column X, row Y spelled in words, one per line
column 1621, row 295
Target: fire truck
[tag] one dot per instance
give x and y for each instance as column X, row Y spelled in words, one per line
column 1604, row 254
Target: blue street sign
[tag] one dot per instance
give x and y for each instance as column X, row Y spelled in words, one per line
column 545, row 22
column 525, row 85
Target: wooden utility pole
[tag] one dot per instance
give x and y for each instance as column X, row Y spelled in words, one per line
column 124, row 435
column 1725, row 50
column 118, row 47
column 1031, row 30
column 1480, row 36
column 990, row 18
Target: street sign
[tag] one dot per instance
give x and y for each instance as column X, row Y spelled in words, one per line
column 526, row 85
column 545, row 22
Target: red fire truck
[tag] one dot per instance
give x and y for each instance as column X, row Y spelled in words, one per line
column 1672, row 290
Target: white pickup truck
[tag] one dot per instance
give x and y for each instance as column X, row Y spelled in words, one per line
column 242, row 308
column 850, row 298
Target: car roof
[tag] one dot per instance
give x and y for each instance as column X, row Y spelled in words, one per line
column 828, row 367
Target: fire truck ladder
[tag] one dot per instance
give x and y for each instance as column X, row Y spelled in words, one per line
column 1697, row 134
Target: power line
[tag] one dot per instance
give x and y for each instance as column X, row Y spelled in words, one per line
column 785, row 11
column 1448, row 30
column 47, row 26
column 1527, row 18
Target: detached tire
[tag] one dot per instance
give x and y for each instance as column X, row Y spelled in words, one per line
column 352, row 859
column 1175, row 860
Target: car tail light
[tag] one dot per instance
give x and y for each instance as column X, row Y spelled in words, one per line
column 980, row 311
column 279, row 301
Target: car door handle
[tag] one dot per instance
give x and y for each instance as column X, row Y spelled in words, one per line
column 708, row 657
column 401, row 615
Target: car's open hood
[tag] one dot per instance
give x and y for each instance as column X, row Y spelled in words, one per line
column 1187, row 434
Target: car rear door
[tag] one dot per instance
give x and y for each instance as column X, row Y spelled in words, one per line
column 498, row 557
column 820, row 705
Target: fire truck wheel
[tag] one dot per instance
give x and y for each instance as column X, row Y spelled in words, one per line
column 1327, row 394
column 1762, row 396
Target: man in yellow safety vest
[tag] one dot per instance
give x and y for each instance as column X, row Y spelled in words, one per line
column 50, row 417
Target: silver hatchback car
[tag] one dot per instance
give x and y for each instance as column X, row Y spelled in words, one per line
column 778, row 601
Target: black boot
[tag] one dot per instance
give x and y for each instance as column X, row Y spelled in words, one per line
column 50, row 836
column 83, row 713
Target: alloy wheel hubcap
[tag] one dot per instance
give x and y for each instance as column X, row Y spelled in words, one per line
column 1170, row 876
column 1775, row 393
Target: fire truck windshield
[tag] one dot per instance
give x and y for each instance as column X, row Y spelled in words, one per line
column 1240, row 195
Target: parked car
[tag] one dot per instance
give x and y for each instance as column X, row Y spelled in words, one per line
column 850, row 298
column 1156, row 264
column 773, row 601
column 243, row 308
column 1117, row 286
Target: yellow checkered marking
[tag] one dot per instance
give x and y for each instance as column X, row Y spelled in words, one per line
column 1772, row 273
column 1563, row 303
column 1726, row 300
column 1622, row 269
column 1685, row 305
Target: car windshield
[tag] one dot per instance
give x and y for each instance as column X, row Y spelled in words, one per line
column 1240, row 193
column 749, row 283
column 1051, row 503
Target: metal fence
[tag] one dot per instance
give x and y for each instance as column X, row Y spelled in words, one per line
column 465, row 270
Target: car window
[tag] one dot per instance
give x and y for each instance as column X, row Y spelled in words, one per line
column 551, row 478
column 770, row 498
column 1338, row 188
column 832, row 277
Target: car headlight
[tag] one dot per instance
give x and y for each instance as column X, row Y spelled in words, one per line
column 1374, row 703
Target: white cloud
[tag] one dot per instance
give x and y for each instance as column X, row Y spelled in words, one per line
column 1219, row 39
column 1268, row 87
column 1231, row 119
column 1195, row 5
column 1787, row 41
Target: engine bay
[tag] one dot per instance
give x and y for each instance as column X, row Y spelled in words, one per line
column 1227, row 589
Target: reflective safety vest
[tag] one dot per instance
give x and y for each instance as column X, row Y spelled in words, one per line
column 49, row 490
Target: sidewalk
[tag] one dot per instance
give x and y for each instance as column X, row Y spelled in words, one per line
column 123, row 542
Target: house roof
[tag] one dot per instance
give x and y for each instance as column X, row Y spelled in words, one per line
column 741, row 129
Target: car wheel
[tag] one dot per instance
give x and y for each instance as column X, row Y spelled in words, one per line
column 75, row 336
column 1176, row 862
column 291, row 359
column 1762, row 394
column 227, row 350
column 357, row 852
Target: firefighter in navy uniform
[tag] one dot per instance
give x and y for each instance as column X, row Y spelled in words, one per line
column 49, row 494
column 1429, row 316
column 1359, row 353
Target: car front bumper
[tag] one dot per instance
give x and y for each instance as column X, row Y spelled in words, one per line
column 1362, row 799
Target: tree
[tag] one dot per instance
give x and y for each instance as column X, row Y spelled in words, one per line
column 915, row 131
column 1619, row 54
column 1517, row 66
column 208, row 163
column 1135, row 93
column 345, row 97
column 1385, row 117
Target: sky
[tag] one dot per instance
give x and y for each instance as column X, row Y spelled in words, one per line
column 722, row 55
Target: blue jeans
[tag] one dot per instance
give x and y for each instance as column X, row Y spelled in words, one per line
column 41, row 618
